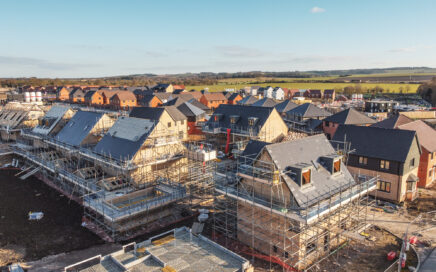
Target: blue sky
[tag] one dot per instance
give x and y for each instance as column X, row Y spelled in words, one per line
column 101, row 38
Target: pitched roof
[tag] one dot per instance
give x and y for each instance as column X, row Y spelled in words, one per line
column 147, row 113
column 244, row 112
column 90, row 94
column 308, row 110
column 265, row 102
column 164, row 97
column 196, row 94
column 285, row 106
column 308, row 151
column 393, row 121
column 248, row 100
column 199, row 105
column 125, row 95
column 233, row 96
column 426, row 134
column 175, row 113
column 125, row 138
column 253, row 149
column 350, row 117
column 146, row 99
column 175, row 101
column 78, row 128
column 51, row 119
column 329, row 91
column 190, row 110
column 214, row 96
column 374, row 142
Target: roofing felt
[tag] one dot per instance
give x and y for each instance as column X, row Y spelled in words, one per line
column 125, row 138
column 78, row 128
column 265, row 102
column 308, row 151
column 426, row 134
column 308, row 110
column 393, row 121
column 244, row 112
column 350, row 117
column 285, row 106
column 374, row 142
column 248, row 100
column 55, row 113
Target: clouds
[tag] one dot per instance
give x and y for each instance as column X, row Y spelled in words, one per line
column 36, row 63
column 317, row 10
column 410, row 49
column 238, row 51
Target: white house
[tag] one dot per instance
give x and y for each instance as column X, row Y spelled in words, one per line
column 268, row 92
column 278, row 93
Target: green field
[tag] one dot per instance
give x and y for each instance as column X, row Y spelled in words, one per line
column 387, row 87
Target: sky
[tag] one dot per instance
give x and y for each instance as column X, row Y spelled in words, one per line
column 91, row 38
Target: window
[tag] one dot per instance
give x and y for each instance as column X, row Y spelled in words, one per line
column 432, row 155
column 429, row 173
column 412, row 162
column 384, row 186
column 310, row 247
column 275, row 249
column 384, row 164
column 337, row 166
column 363, row 160
column 305, row 177
column 169, row 124
column 286, row 255
column 411, row 186
column 327, row 123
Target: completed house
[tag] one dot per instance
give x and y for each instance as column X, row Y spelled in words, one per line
column 393, row 122
column 63, row 93
column 265, row 102
column 77, row 96
column 346, row 117
column 306, row 118
column 427, row 162
column 267, row 92
column 234, row 98
column 123, row 100
column 248, row 100
column 93, row 98
column 380, row 106
column 285, row 106
column 163, row 88
column 392, row 155
column 278, row 93
column 213, row 100
column 313, row 94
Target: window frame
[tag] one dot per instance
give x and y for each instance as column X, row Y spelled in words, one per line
column 384, row 186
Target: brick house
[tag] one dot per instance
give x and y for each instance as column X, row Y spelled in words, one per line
column 329, row 94
column 94, row 98
column 392, row 155
column 234, row 98
column 213, row 100
column 123, row 100
column 63, row 94
column 427, row 162
column 77, row 96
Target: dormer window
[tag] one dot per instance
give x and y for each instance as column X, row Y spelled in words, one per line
column 306, row 177
column 217, row 117
column 332, row 163
column 234, row 119
column 252, row 121
column 337, row 166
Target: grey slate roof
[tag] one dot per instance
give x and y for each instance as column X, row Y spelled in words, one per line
column 374, row 142
column 175, row 113
column 307, row 151
column 78, row 128
column 308, row 110
column 198, row 104
column 265, row 102
column 53, row 116
column 232, row 96
column 393, row 121
column 244, row 112
column 252, row 150
column 125, row 138
column 248, row 100
column 285, row 106
column 350, row 117
column 147, row 113
column 190, row 110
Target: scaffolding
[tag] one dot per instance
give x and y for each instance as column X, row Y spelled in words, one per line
column 122, row 198
column 254, row 216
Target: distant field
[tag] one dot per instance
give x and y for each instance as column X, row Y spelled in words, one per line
column 263, row 79
column 388, row 87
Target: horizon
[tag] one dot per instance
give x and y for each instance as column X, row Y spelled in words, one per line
column 84, row 39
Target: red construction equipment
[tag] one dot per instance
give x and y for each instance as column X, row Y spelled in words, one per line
column 391, row 255
column 228, row 141
column 413, row 240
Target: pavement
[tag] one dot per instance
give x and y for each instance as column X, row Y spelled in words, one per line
column 429, row 264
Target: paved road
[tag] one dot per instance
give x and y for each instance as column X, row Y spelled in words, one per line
column 429, row 264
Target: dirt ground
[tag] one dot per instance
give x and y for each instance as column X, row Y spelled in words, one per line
column 425, row 202
column 58, row 231
column 366, row 256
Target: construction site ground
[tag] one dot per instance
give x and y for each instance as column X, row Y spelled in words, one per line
column 57, row 232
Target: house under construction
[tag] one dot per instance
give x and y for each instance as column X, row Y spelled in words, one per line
column 292, row 203
column 128, row 173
